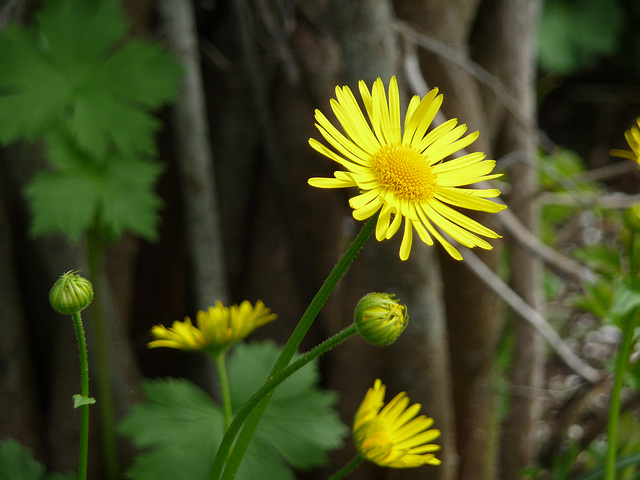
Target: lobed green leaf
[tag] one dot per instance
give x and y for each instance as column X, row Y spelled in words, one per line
column 116, row 194
column 180, row 427
column 17, row 463
column 66, row 71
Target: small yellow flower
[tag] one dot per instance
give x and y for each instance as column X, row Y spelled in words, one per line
column 633, row 139
column 393, row 436
column 402, row 172
column 217, row 329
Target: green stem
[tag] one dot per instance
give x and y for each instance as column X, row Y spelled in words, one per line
column 347, row 469
column 616, row 394
column 84, row 391
column 321, row 297
column 622, row 360
column 257, row 401
column 287, row 353
column 225, row 393
column 106, row 404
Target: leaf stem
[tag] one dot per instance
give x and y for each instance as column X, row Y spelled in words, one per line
column 622, row 360
column 84, row 391
column 287, row 353
column 616, row 394
column 257, row 402
column 323, row 294
column 348, row 468
column 285, row 357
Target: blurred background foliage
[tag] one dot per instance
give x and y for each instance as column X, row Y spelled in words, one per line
column 72, row 160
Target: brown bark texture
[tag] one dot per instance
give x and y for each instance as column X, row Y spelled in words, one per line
column 472, row 316
column 241, row 222
column 511, row 42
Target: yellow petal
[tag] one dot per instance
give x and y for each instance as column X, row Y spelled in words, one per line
column 407, row 240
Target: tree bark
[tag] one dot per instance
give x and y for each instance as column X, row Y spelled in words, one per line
column 418, row 362
column 509, row 53
column 20, row 417
column 471, row 309
column 193, row 148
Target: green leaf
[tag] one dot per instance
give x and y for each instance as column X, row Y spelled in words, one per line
column 298, row 427
column 624, row 301
column 179, row 426
column 114, row 194
column 604, row 258
column 33, row 92
column 17, row 463
column 573, row 34
column 299, row 423
column 79, row 400
column 597, row 473
column 597, row 298
column 66, row 72
column 71, row 43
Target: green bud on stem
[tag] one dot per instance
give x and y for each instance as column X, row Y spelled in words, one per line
column 380, row 318
column 71, row 293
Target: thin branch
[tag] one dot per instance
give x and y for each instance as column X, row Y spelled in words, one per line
column 477, row 71
column 607, row 172
column 551, row 257
column 526, row 312
column 195, row 159
column 509, row 221
column 418, row 84
column 590, row 199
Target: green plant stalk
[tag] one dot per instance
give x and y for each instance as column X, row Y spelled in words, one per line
column 622, row 361
column 348, row 468
column 290, row 349
column 616, row 393
column 83, row 455
column 106, row 408
column 257, row 401
column 225, row 393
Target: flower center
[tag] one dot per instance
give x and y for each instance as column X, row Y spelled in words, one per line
column 405, row 172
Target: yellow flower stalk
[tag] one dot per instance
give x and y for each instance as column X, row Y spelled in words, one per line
column 633, row 139
column 216, row 329
column 402, row 173
column 392, row 435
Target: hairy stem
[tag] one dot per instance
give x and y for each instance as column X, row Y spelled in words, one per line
column 84, row 391
column 259, row 401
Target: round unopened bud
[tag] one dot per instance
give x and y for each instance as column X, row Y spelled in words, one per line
column 380, row 318
column 71, row 293
column 631, row 218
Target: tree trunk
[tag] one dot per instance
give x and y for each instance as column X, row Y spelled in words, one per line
column 418, row 362
column 195, row 160
column 510, row 55
column 471, row 309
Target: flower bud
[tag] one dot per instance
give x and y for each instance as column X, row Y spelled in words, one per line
column 380, row 318
column 71, row 293
column 631, row 218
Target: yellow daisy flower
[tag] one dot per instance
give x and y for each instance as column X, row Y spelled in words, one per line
column 393, row 436
column 217, row 329
column 402, row 172
column 633, row 139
